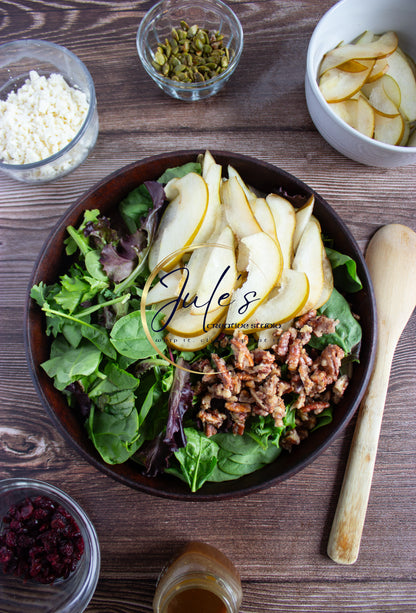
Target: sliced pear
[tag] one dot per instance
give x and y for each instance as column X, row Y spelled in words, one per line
column 219, row 277
column 284, row 214
column 406, row 132
column 250, row 195
column 303, row 215
column 328, row 281
column 337, row 85
column 199, row 257
column 213, row 181
column 263, row 261
column 401, row 71
column 167, row 288
column 192, row 343
column 181, row 220
column 383, row 95
column 366, row 37
column 412, row 140
column 237, row 209
column 186, row 324
column 380, row 67
column 264, row 217
column 207, row 161
column 382, row 47
column 309, row 259
column 357, row 113
column 364, row 119
column 388, row 130
column 356, row 66
column 283, row 302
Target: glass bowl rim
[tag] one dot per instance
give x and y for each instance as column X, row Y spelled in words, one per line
column 165, row 81
column 87, row 588
column 28, row 42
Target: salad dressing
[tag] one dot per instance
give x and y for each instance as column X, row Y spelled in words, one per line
column 200, row 579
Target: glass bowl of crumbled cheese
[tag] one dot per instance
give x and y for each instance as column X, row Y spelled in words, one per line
column 48, row 111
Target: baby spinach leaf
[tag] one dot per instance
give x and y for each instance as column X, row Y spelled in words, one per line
column 94, row 267
column 344, row 270
column 100, row 338
column 348, row 331
column 197, row 460
column 240, row 455
column 323, row 419
column 116, row 379
column 129, row 338
column 67, row 364
column 72, row 331
column 179, row 171
column 116, row 438
column 120, row 403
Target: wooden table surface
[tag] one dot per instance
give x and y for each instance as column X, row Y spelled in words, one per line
column 277, row 538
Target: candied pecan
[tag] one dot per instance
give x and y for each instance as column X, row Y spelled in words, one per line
column 238, row 407
column 284, row 387
column 218, row 390
column 239, row 423
column 323, row 325
column 305, row 334
column 339, row 388
column 315, row 407
column 282, row 346
column 242, row 356
column 256, row 382
column 330, row 361
column 223, row 372
column 262, row 356
column 304, row 377
column 292, row 438
column 304, row 319
column 239, row 413
column 211, row 420
column 293, row 354
column 301, row 399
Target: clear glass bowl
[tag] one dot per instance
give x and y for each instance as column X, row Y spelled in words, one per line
column 17, row 59
column 70, row 595
column 157, row 25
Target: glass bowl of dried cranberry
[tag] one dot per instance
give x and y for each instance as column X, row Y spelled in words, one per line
column 49, row 550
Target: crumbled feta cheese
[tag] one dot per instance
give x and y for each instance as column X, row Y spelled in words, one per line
column 40, row 118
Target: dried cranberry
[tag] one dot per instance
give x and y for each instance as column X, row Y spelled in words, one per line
column 40, row 541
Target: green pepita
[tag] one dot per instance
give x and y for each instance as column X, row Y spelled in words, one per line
column 191, row 54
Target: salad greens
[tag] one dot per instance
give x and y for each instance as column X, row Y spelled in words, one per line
column 134, row 404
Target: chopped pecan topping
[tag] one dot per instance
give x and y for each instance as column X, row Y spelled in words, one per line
column 256, row 382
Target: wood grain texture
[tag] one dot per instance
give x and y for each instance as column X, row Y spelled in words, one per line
column 277, row 538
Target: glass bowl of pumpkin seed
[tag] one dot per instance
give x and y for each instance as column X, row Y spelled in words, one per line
column 190, row 48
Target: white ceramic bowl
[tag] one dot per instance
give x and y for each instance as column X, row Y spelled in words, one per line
column 343, row 22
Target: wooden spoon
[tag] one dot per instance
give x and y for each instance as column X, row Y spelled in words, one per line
column 391, row 260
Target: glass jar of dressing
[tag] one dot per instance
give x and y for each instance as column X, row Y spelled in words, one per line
column 200, row 579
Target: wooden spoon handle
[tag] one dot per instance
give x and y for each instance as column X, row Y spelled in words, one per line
column 391, row 259
column 347, row 526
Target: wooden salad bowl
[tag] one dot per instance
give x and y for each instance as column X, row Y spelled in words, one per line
column 53, row 261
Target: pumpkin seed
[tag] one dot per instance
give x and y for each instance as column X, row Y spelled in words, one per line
column 191, row 54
